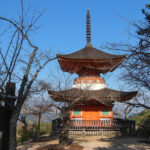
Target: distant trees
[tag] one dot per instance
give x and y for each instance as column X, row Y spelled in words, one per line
column 32, row 113
column 137, row 63
column 37, row 110
column 21, row 60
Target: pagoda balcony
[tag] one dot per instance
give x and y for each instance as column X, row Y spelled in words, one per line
column 96, row 126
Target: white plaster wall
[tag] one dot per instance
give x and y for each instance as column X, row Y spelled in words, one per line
column 89, row 86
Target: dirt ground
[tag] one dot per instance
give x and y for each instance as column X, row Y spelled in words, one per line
column 90, row 143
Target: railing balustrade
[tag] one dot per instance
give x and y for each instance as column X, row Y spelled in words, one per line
column 96, row 125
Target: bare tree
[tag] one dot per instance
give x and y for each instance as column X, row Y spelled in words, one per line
column 136, row 67
column 123, row 110
column 38, row 92
column 21, row 60
column 38, row 109
column 64, row 109
column 142, row 100
column 37, row 104
column 62, row 81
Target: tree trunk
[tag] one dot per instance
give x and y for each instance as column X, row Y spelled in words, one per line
column 126, row 116
column 38, row 129
column 63, row 138
column 5, row 136
column 12, row 133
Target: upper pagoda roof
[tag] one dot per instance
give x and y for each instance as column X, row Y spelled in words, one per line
column 89, row 59
column 89, row 53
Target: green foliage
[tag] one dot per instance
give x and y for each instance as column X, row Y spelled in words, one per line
column 23, row 134
column 144, row 127
column 139, row 117
column 143, row 123
column 145, row 30
column 46, row 128
column 30, row 133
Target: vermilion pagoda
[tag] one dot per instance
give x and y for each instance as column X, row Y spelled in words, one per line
column 91, row 98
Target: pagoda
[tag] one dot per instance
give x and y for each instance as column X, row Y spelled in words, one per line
column 89, row 96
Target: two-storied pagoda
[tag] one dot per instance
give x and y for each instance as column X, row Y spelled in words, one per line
column 91, row 98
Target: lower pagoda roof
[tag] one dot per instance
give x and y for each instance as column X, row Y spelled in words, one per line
column 105, row 96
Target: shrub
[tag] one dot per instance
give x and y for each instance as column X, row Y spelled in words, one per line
column 30, row 133
column 24, row 134
column 45, row 128
column 142, row 123
column 144, row 127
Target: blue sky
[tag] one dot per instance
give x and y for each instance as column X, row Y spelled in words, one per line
column 63, row 23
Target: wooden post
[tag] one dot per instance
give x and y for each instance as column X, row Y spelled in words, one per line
column 5, row 137
column 10, row 90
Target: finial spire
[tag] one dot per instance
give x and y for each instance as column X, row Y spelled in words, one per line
column 88, row 28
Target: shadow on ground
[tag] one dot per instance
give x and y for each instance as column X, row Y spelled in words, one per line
column 57, row 147
column 45, row 138
column 70, row 146
column 122, row 143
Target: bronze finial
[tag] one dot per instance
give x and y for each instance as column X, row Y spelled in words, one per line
column 88, row 28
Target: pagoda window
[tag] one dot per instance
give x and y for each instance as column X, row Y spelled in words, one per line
column 105, row 112
column 77, row 111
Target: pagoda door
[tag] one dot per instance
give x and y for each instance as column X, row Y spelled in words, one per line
column 91, row 114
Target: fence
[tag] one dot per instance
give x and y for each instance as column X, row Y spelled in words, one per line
column 97, row 126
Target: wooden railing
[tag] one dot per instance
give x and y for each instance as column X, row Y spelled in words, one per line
column 96, row 125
